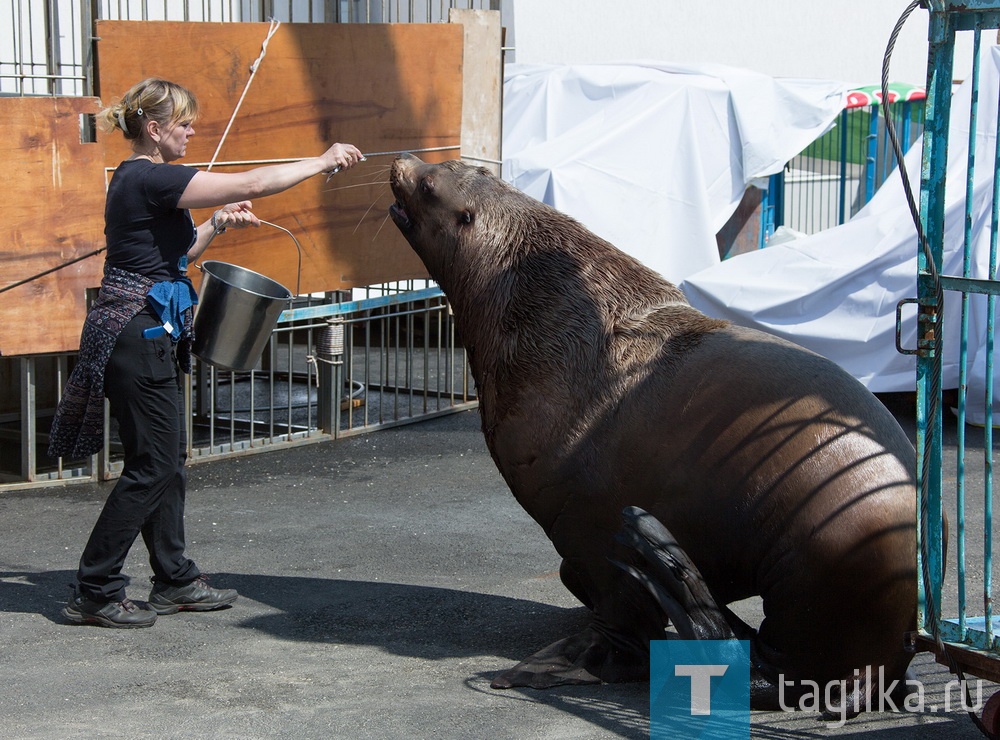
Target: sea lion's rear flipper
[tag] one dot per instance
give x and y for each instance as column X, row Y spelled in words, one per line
column 670, row 577
column 602, row 653
column 593, row 655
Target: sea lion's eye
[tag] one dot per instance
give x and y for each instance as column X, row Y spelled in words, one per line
column 427, row 186
column 465, row 217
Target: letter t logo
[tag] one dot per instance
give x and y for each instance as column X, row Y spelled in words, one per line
column 701, row 685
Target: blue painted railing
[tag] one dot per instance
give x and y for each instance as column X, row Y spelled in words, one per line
column 839, row 173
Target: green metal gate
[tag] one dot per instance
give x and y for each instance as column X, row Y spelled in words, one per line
column 952, row 565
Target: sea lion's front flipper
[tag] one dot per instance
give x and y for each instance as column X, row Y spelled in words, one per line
column 677, row 587
column 590, row 656
column 602, row 653
column 671, row 578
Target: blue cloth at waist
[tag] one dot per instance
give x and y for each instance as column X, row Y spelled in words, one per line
column 170, row 300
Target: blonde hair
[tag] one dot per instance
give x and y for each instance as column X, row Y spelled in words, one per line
column 152, row 99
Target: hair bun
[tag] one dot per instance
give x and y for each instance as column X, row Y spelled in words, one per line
column 119, row 111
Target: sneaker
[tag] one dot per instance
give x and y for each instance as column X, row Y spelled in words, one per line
column 119, row 614
column 196, row 596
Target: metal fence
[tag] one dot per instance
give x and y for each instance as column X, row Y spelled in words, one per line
column 835, row 176
column 332, row 368
column 49, row 51
column 957, row 578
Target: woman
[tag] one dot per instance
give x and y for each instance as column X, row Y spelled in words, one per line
column 137, row 337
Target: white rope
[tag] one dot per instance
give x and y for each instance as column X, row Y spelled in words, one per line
column 283, row 160
column 253, row 71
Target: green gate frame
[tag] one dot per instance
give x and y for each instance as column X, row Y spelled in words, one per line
column 966, row 643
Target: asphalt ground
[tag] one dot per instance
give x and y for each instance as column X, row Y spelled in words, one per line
column 384, row 580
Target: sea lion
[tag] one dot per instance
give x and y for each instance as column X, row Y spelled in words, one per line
column 678, row 463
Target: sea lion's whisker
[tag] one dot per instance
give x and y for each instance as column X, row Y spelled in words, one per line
column 366, row 213
column 359, row 185
column 379, row 231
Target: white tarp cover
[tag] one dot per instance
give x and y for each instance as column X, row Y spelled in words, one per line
column 836, row 292
column 655, row 157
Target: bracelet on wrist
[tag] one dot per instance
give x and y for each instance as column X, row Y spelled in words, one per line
column 216, row 228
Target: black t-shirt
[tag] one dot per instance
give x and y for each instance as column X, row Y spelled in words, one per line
column 146, row 232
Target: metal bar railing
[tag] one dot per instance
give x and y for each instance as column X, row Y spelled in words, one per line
column 960, row 521
column 401, row 364
column 842, row 211
column 835, row 176
column 385, row 360
column 871, row 156
column 961, row 639
column 51, row 53
column 932, row 202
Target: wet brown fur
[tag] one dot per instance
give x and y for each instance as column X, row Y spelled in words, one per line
column 601, row 388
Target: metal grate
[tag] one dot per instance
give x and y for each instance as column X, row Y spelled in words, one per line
column 950, row 577
column 49, row 51
column 838, row 174
column 392, row 358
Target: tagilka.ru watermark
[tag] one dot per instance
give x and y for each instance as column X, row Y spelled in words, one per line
column 843, row 698
column 701, row 689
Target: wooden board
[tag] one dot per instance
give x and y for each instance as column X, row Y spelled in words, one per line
column 482, row 86
column 384, row 88
column 51, row 212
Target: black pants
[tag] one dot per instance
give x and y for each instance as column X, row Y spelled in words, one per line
column 144, row 386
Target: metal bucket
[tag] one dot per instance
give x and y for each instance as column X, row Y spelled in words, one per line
column 237, row 311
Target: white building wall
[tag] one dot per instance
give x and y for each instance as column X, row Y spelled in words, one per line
column 843, row 40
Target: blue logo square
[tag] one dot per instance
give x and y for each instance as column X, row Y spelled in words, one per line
column 699, row 689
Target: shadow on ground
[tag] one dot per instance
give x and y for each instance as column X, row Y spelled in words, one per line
column 416, row 621
column 432, row 623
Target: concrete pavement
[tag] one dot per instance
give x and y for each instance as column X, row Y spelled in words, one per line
column 384, row 580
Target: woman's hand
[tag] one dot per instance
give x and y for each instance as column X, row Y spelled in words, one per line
column 340, row 157
column 235, row 216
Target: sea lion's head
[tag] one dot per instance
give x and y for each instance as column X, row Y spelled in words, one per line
column 490, row 246
column 453, row 215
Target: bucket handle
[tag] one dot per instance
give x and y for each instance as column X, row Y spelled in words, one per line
column 298, row 249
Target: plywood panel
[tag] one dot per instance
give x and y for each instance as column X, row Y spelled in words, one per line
column 384, row 88
column 52, row 211
column 482, row 86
